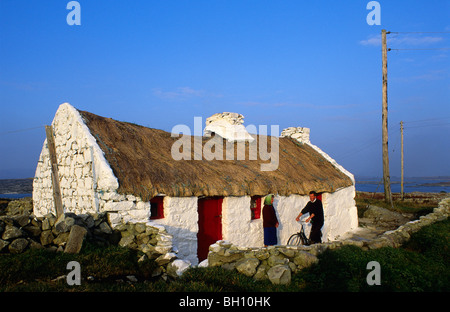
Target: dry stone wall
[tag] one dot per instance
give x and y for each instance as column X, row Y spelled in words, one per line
column 21, row 231
column 154, row 243
column 66, row 233
column 400, row 235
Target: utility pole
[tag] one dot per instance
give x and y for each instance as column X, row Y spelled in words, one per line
column 402, row 167
column 386, row 176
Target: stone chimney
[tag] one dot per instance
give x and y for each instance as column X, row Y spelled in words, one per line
column 301, row 134
column 229, row 126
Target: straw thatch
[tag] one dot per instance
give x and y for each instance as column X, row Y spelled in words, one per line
column 141, row 159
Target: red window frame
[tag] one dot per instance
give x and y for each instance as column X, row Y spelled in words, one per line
column 157, row 208
column 255, row 207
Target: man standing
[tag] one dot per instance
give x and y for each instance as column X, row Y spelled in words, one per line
column 315, row 209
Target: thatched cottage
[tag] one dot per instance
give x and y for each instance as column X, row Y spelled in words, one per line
column 130, row 172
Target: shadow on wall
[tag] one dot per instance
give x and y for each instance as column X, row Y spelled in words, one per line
column 184, row 242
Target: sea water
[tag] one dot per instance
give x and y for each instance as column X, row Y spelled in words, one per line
column 426, row 185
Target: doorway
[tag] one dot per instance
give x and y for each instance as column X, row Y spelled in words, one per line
column 209, row 224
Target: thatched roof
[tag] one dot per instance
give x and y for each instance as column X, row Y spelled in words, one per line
column 141, row 159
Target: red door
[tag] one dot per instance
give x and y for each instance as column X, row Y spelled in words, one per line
column 209, row 224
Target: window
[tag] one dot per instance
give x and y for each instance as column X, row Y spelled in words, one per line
column 255, row 207
column 157, row 208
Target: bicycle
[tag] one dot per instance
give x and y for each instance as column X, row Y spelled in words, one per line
column 299, row 238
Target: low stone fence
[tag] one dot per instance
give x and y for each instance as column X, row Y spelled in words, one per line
column 155, row 243
column 66, row 233
column 402, row 234
column 21, row 232
column 277, row 263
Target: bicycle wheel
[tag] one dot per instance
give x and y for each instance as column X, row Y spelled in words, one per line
column 294, row 240
column 304, row 240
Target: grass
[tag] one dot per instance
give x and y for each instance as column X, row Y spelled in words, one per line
column 35, row 269
column 420, row 265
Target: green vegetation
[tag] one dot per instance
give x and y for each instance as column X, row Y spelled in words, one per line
column 420, row 265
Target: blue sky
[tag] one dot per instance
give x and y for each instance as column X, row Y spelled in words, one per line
column 314, row 64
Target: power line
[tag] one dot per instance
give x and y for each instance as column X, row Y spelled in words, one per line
column 432, row 122
column 424, row 126
column 368, row 144
column 390, row 49
column 425, row 120
column 418, row 32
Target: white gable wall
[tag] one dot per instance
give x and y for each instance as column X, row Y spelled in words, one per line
column 83, row 169
column 340, row 213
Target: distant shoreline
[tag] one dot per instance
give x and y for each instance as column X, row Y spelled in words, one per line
column 19, row 188
column 445, row 183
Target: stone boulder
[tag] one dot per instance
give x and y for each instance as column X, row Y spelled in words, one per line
column 21, row 220
column 177, row 267
column 11, row 232
column 18, row 245
column 3, row 244
column 304, row 259
column 247, row 266
column 20, row 206
column 33, row 230
column 279, row 274
column 46, row 237
column 75, row 239
column 385, row 218
column 65, row 222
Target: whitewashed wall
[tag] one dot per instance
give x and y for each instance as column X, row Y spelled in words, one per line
column 287, row 209
column 340, row 213
column 237, row 225
column 181, row 221
column 83, row 169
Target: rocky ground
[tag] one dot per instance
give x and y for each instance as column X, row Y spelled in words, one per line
column 413, row 197
column 375, row 220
